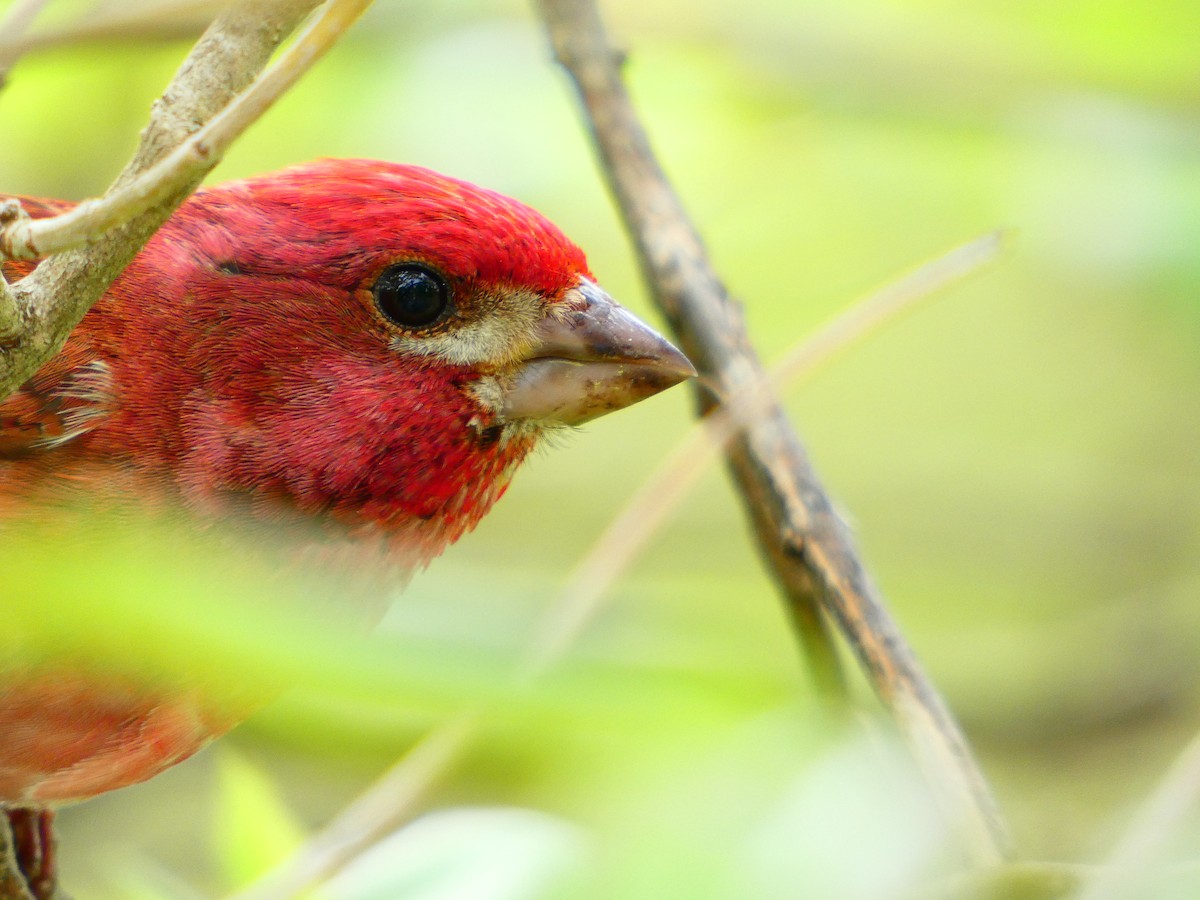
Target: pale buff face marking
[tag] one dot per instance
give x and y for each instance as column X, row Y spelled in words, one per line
column 488, row 391
column 496, row 340
column 500, row 335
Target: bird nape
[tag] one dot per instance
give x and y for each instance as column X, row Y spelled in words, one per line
column 354, row 354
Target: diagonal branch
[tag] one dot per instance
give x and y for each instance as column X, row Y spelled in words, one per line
column 806, row 545
column 1163, row 815
column 38, row 312
column 132, row 23
column 30, row 239
column 393, row 799
column 631, row 530
column 12, row 28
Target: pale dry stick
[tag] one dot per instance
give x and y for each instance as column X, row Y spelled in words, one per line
column 390, row 801
column 140, row 22
column 808, row 548
column 11, row 320
column 378, row 811
column 1162, row 815
column 13, row 27
column 17, row 20
column 32, row 238
column 631, row 530
column 200, row 90
column 38, row 312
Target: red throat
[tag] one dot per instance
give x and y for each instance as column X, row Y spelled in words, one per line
column 370, row 462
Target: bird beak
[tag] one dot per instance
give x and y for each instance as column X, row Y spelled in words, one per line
column 595, row 358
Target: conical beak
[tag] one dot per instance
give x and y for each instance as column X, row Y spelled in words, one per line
column 596, row 358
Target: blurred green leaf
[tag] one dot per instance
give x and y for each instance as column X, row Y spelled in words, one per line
column 456, row 854
column 1018, row 459
column 253, row 829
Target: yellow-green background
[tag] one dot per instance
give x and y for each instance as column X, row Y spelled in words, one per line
column 1020, row 458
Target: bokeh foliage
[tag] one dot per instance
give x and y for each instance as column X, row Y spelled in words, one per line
column 1019, row 457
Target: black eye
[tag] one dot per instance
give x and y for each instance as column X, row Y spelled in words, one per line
column 412, row 296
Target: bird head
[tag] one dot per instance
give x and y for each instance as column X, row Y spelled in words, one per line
column 374, row 343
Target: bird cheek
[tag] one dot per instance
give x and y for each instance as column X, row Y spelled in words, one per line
column 489, row 427
column 488, row 393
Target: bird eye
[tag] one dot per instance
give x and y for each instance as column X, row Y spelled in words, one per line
column 411, row 296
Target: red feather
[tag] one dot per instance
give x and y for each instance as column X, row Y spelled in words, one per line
column 239, row 365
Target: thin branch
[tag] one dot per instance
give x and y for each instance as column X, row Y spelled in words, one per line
column 391, row 800
column 631, row 530
column 11, row 319
column 138, row 23
column 1161, row 817
column 38, row 312
column 32, row 238
column 13, row 27
column 808, row 548
column 378, row 811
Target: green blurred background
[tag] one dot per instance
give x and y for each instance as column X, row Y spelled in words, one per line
column 1020, row 458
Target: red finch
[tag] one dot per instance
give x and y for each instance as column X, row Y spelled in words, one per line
column 367, row 347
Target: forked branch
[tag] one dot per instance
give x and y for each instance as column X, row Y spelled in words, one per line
column 205, row 108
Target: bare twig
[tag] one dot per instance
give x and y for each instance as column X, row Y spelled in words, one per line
column 130, row 22
column 37, row 313
column 392, row 799
column 632, row 528
column 33, row 238
column 12, row 29
column 16, row 21
column 383, row 807
column 806, row 545
column 1175, row 799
